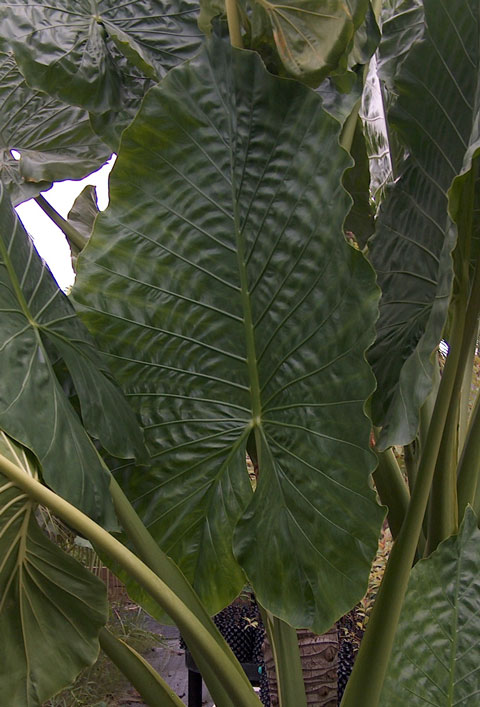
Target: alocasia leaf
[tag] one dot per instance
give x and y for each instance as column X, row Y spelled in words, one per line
column 434, row 115
column 64, row 48
column 51, row 608
column 34, row 409
column 434, row 659
column 228, row 301
column 55, row 140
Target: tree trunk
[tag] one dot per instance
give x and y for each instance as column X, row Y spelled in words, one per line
column 319, row 656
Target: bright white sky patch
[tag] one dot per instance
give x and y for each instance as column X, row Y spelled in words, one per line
column 49, row 240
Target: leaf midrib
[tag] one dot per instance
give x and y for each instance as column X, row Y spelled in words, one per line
column 252, row 367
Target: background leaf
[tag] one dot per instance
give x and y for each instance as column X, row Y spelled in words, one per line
column 55, row 140
column 36, row 316
column 228, row 302
column 434, row 658
column 51, row 608
column 64, row 48
column 414, row 240
column 313, row 37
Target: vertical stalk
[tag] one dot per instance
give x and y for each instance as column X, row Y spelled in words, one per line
column 233, row 20
column 469, row 467
column 366, row 681
column 392, row 489
column 286, row 654
column 443, row 515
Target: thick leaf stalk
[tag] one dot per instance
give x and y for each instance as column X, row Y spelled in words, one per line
column 148, row 683
column 366, row 681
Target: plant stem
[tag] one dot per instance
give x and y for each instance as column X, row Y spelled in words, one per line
column 286, row 654
column 469, row 467
column 233, row 20
column 75, row 239
column 392, row 489
column 164, row 567
column 203, row 646
column 151, row 686
column 348, row 131
column 366, row 681
column 443, row 515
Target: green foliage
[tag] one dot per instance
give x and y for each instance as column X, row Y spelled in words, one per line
column 433, row 662
column 246, row 333
column 49, row 603
column 55, row 140
column 235, row 316
column 412, row 248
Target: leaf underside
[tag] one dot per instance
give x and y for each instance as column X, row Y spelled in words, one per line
column 228, row 303
column 51, row 608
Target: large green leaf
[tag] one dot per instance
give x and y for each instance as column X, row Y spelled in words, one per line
column 51, row 608
column 55, row 140
column 65, row 48
column 37, row 316
column 411, row 251
column 229, row 303
column 435, row 656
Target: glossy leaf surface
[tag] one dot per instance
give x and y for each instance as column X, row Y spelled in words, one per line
column 55, row 140
column 65, row 48
column 51, row 608
column 411, row 251
column 37, row 316
column 434, row 658
column 228, row 302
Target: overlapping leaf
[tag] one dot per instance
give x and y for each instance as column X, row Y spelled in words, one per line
column 51, row 608
column 434, row 661
column 312, row 37
column 55, row 140
column 229, row 304
column 65, row 50
column 36, row 316
column 434, row 114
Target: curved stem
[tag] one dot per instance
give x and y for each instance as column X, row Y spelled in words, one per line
column 151, row 686
column 203, row 646
column 164, row 567
column 76, row 241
